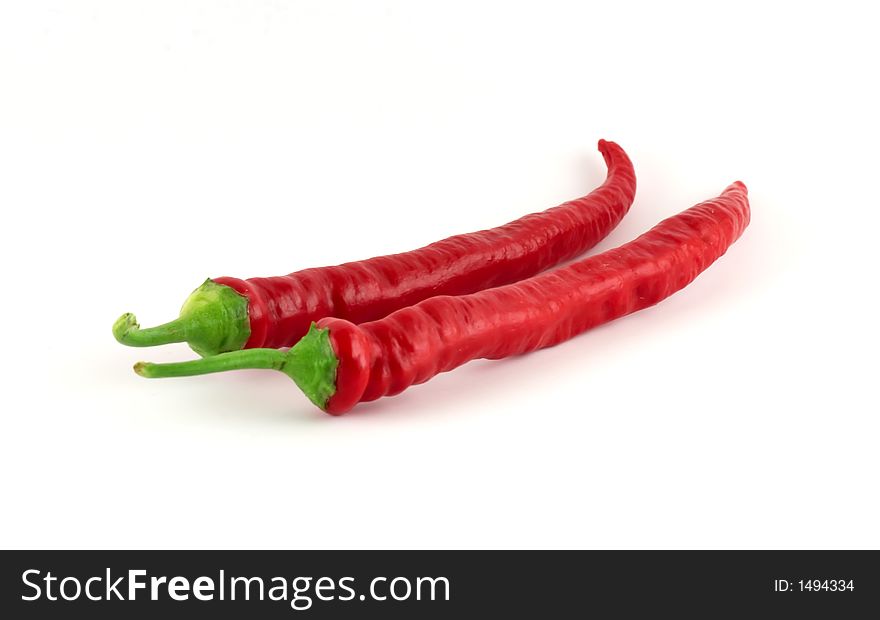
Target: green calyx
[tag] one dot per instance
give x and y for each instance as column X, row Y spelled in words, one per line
column 214, row 319
column 311, row 363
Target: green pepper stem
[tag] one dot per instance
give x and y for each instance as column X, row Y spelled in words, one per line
column 311, row 363
column 127, row 331
column 268, row 359
column 213, row 320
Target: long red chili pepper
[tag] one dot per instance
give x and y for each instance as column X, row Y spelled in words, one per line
column 339, row 364
column 226, row 314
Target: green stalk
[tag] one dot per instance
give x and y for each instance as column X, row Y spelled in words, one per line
column 270, row 359
column 311, row 363
column 214, row 319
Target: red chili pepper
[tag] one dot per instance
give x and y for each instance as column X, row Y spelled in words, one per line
column 339, row 364
column 226, row 314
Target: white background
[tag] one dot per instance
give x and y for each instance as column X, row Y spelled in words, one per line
column 147, row 146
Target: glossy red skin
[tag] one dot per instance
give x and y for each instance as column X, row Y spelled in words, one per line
column 280, row 309
column 354, row 352
column 413, row 344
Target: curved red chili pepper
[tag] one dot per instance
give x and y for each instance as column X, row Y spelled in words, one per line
column 280, row 309
column 339, row 364
column 414, row 344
